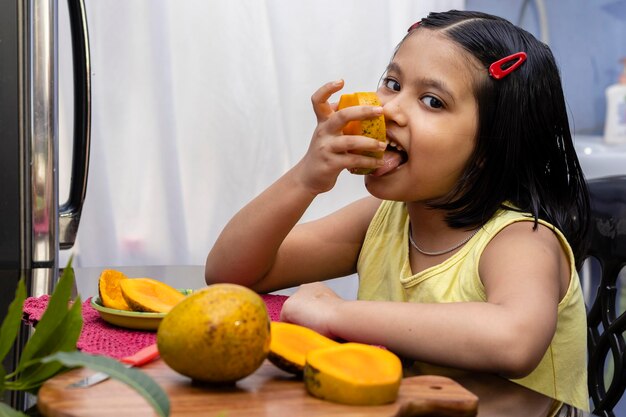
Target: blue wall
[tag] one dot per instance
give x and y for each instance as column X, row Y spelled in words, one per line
column 588, row 39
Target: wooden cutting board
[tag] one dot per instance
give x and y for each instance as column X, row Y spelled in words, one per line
column 267, row 392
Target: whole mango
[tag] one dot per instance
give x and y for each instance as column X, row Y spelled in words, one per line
column 219, row 334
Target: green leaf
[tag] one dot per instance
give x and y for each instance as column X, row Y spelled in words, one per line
column 46, row 338
column 134, row 378
column 6, row 411
column 11, row 323
column 63, row 338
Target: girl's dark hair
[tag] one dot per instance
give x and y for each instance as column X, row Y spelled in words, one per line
column 524, row 151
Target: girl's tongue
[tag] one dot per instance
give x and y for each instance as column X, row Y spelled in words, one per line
column 392, row 160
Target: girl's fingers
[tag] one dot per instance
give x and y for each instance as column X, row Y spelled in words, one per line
column 319, row 99
column 350, row 143
column 364, row 162
column 348, row 114
column 348, row 152
column 330, row 147
column 323, row 109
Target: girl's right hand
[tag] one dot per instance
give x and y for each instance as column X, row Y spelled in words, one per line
column 330, row 151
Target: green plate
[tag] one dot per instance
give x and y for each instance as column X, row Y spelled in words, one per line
column 130, row 319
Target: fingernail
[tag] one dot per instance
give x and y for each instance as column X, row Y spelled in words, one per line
column 382, row 145
column 378, row 110
column 338, row 82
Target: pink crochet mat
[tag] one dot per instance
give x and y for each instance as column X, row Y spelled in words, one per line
column 101, row 338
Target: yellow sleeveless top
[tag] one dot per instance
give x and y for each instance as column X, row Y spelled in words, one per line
column 385, row 274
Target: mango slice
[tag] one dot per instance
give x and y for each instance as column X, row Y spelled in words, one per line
column 373, row 128
column 291, row 343
column 149, row 295
column 110, row 291
column 353, row 373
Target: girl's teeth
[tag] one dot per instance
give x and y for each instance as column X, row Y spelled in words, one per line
column 395, row 145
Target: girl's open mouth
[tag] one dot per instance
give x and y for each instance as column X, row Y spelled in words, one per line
column 393, row 157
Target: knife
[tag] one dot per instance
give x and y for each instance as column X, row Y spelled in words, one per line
column 142, row 357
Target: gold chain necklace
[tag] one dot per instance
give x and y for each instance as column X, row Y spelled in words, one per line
column 440, row 252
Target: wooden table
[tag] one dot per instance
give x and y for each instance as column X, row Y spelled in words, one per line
column 272, row 392
column 267, row 392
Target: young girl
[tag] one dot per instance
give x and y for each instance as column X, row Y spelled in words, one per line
column 468, row 248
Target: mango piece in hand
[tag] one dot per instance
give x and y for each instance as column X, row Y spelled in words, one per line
column 373, row 128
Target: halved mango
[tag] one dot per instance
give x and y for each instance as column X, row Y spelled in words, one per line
column 149, row 295
column 110, row 291
column 373, row 128
column 353, row 373
column 290, row 344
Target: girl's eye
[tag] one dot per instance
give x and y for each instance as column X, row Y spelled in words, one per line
column 391, row 84
column 432, row 102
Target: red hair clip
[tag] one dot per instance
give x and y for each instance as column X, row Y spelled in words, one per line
column 496, row 70
column 415, row 25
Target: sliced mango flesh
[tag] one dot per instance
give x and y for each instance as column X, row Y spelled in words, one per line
column 373, row 128
column 110, row 291
column 353, row 373
column 290, row 344
column 149, row 295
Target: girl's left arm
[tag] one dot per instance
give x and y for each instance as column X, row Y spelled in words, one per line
column 525, row 274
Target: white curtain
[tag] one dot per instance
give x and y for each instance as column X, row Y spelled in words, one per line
column 199, row 105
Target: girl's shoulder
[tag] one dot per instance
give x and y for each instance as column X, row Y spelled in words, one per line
column 517, row 242
column 512, row 230
column 517, row 223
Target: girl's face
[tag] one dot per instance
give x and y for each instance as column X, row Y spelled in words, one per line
column 431, row 115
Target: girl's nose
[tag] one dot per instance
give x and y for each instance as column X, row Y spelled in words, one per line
column 393, row 111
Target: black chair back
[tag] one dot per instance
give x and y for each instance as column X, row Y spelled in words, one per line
column 606, row 319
